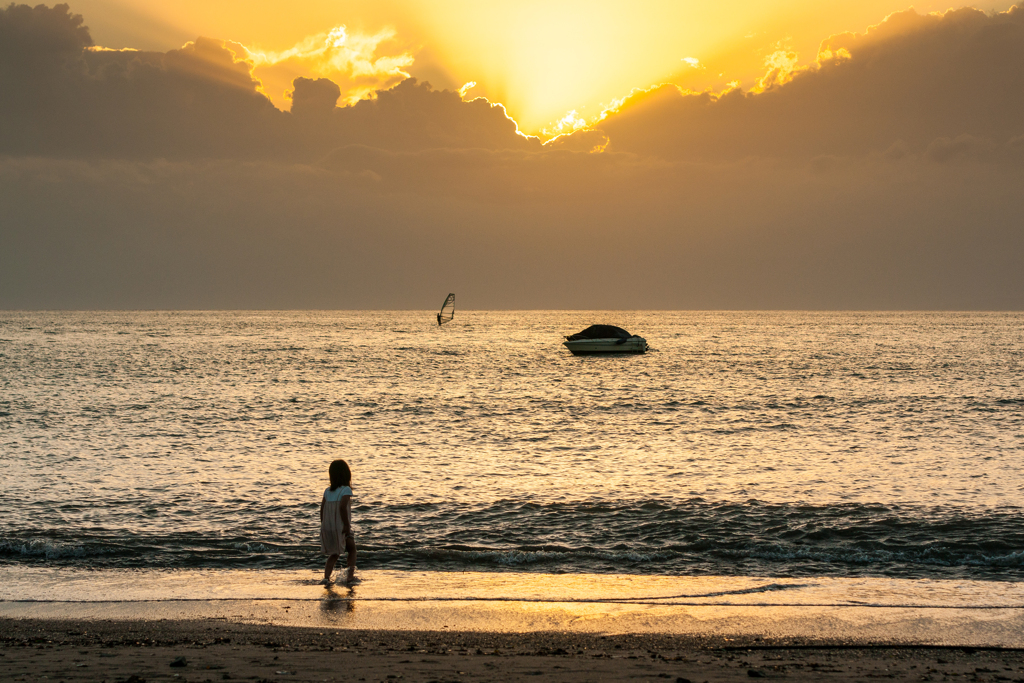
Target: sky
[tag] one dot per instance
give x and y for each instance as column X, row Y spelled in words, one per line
column 661, row 155
column 541, row 59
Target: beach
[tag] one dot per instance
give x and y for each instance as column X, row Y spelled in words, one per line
column 795, row 495
column 505, row 341
column 438, row 626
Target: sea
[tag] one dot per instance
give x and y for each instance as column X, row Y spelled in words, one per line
column 743, row 444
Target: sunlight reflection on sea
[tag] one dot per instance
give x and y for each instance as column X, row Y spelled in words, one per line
column 744, row 443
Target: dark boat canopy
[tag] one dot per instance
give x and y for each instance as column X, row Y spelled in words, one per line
column 600, row 332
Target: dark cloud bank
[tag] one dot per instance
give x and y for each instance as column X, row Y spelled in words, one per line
column 889, row 175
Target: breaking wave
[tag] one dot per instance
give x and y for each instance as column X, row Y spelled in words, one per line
column 652, row 537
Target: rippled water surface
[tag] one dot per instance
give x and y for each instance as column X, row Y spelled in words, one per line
column 782, row 444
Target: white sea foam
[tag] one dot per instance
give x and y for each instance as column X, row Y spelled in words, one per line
column 41, row 548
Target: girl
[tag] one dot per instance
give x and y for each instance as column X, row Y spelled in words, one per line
column 336, row 520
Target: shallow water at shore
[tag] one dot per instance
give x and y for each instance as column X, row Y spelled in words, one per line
column 822, row 610
column 32, row 584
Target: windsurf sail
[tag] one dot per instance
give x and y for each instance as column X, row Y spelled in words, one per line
column 447, row 310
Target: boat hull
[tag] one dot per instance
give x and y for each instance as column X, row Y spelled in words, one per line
column 591, row 347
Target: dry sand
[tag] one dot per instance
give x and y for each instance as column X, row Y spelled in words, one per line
column 217, row 650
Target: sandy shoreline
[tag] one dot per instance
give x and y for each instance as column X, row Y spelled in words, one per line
column 120, row 626
column 867, row 611
column 214, row 650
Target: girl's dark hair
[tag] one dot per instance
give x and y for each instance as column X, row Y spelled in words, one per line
column 340, row 474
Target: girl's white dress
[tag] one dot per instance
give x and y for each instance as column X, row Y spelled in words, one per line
column 332, row 538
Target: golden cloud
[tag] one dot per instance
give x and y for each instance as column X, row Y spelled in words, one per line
column 361, row 64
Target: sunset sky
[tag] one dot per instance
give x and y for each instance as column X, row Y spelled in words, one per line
column 541, row 59
column 791, row 154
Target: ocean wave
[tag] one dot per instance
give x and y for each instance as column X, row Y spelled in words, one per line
column 251, row 547
column 510, row 558
column 879, row 558
column 651, row 537
column 516, row 558
column 41, row 548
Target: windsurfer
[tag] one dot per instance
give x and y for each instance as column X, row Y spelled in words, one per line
column 447, row 311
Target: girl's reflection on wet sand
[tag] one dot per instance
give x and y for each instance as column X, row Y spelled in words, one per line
column 333, row 601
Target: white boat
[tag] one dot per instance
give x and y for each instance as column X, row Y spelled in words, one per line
column 604, row 339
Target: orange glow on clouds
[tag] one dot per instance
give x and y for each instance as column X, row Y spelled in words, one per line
column 551, row 64
column 352, row 60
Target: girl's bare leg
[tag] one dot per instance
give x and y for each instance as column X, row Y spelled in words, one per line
column 350, row 548
column 330, row 567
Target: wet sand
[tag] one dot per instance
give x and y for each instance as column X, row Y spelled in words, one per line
column 781, row 611
column 217, row 650
column 130, row 626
